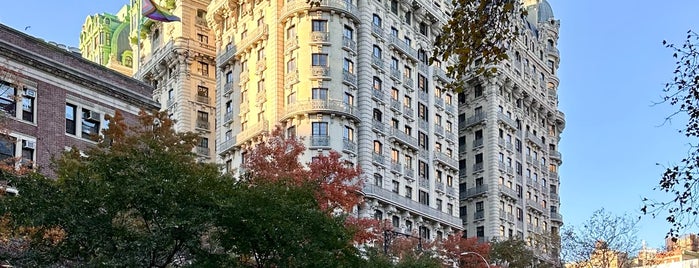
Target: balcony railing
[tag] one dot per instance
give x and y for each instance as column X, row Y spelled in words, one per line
column 291, row 44
column 409, row 172
column 556, row 217
column 377, row 30
column 450, row 136
column 203, row 99
column 396, row 167
column 479, row 215
column 438, row 130
column 403, row 47
column 450, row 109
column 534, row 140
column 203, row 124
column 227, row 88
column 408, row 111
column 439, row 102
column 408, row 82
column 318, row 37
column 423, row 68
column 349, row 78
column 202, row 151
column 395, row 105
column 423, row 96
column 251, row 38
column 226, row 145
column 477, row 143
column 439, row 186
column 555, row 154
column 226, row 56
column 291, row 78
column 508, row 191
column 377, row 62
column 507, row 120
column 408, row 204
column 424, row 183
column 378, row 126
column 228, row 117
column 536, row 205
column 404, row 138
column 473, row 192
column 440, row 74
column 252, row 131
column 478, row 167
column 379, row 158
column 333, row 106
column 395, row 74
column 318, row 71
column 349, row 44
column 378, row 95
column 320, row 141
column 349, row 145
column 447, row 160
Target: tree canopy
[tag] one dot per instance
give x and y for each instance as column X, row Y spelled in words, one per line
column 680, row 181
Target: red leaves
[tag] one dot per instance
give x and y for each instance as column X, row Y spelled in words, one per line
column 276, row 159
column 453, row 246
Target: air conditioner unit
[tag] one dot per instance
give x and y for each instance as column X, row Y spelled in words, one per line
column 29, row 144
column 30, row 93
column 94, row 116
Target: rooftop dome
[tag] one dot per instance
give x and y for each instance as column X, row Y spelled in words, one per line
column 545, row 11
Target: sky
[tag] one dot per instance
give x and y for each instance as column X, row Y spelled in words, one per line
column 613, row 68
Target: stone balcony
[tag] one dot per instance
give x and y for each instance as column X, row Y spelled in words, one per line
column 407, row 204
column 325, row 106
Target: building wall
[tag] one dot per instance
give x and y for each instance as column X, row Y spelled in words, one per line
column 359, row 115
column 510, row 127
column 178, row 59
column 52, row 77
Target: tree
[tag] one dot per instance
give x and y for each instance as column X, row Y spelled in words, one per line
column 140, row 199
column 604, row 240
column 681, row 180
column 513, row 251
column 276, row 225
column 336, row 183
column 456, row 244
column 478, row 30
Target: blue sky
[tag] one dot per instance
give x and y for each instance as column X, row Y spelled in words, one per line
column 613, row 67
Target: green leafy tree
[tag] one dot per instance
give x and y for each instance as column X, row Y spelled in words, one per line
column 138, row 199
column 680, row 181
column 513, row 251
column 277, row 225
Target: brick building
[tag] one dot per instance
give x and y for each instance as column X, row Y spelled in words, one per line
column 54, row 99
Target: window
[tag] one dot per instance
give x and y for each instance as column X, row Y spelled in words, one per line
column 408, row 17
column 378, row 179
column 394, row 63
column 203, row 38
column 319, row 59
column 319, row 93
column 394, row 32
column 203, row 143
column 28, row 105
column 424, row 198
column 348, row 99
column 204, row 68
column 378, row 215
column 319, row 25
column 7, row 147
column 423, row 28
column 439, row 204
column 378, row 147
column 377, row 83
column 408, row 192
column 261, row 54
column 8, row 99
column 291, row 98
column 377, row 52
column 478, row 91
column 422, row 169
column 396, row 186
column 320, row 128
column 376, row 20
column 348, row 134
column 377, row 115
column 422, row 111
column 394, row 94
column 424, row 233
column 90, row 124
column 348, row 66
column 348, row 33
column 422, row 139
column 394, row 6
column 291, row 65
column 291, row 32
column 395, row 221
column 291, row 131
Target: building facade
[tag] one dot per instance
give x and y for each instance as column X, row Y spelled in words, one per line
column 349, row 76
column 104, row 39
column 509, row 130
column 178, row 60
column 53, row 99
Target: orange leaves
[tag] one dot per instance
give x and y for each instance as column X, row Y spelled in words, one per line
column 454, row 245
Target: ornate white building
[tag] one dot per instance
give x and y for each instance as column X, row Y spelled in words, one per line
column 178, row 59
column 353, row 76
column 509, row 129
